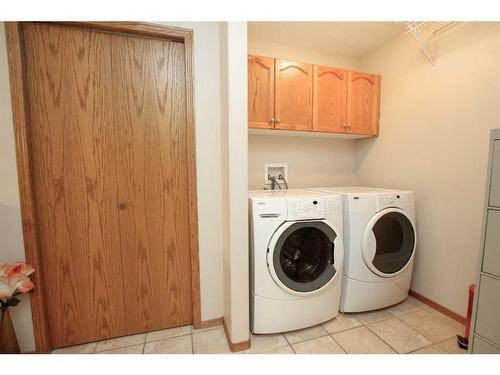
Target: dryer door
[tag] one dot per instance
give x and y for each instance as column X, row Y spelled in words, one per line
column 301, row 256
column 388, row 242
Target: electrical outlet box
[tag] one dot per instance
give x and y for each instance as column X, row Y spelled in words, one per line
column 279, row 171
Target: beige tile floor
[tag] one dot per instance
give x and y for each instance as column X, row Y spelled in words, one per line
column 409, row 327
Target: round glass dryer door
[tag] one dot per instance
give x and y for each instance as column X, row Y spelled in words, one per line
column 389, row 241
column 301, row 256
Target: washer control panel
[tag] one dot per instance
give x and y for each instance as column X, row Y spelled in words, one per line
column 313, row 208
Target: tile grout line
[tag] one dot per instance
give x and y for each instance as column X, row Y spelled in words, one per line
column 397, row 352
column 378, row 321
column 422, row 308
column 440, row 342
column 120, row 347
column 402, row 321
column 338, row 343
column 288, row 342
column 309, row 339
column 168, row 338
column 397, row 317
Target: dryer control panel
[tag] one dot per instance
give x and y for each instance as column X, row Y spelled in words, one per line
column 402, row 199
column 385, row 200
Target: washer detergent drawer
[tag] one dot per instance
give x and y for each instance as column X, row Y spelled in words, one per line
column 267, row 208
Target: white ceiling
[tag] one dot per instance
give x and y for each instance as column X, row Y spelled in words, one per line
column 353, row 39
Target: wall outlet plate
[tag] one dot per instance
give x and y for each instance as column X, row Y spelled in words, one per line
column 275, row 170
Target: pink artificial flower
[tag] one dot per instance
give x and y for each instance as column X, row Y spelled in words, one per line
column 25, row 286
column 6, row 290
column 18, row 271
column 15, row 277
column 3, row 269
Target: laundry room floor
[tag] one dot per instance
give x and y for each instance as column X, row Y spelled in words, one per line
column 409, row 327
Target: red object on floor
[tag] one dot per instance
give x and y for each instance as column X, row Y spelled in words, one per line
column 472, row 289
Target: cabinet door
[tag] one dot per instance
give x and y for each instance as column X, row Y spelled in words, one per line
column 330, row 96
column 363, row 103
column 293, row 96
column 260, row 92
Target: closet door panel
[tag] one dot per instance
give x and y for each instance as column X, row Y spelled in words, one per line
column 293, row 95
column 72, row 147
column 149, row 86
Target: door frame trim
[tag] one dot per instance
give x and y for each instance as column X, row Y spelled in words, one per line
column 20, row 120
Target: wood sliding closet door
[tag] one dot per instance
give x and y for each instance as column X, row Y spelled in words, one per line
column 73, row 146
column 107, row 142
column 150, row 116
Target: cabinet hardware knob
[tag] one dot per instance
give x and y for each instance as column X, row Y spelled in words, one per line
column 122, row 205
column 277, row 120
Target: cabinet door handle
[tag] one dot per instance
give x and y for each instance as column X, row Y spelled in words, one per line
column 345, row 125
column 271, row 121
column 277, row 120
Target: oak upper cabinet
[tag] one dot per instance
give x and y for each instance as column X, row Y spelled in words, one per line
column 330, row 97
column 363, row 103
column 260, row 92
column 289, row 95
column 293, row 95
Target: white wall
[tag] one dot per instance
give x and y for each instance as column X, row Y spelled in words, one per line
column 235, row 177
column 311, row 161
column 208, row 159
column 434, row 132
column 318, row 162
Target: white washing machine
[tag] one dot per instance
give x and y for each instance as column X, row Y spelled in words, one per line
column 379, row 241
column 296, row 258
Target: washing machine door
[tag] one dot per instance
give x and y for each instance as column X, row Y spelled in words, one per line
column 301, row 256
column 388, row 242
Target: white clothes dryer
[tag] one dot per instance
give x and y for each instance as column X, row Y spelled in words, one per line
column 379, row 241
